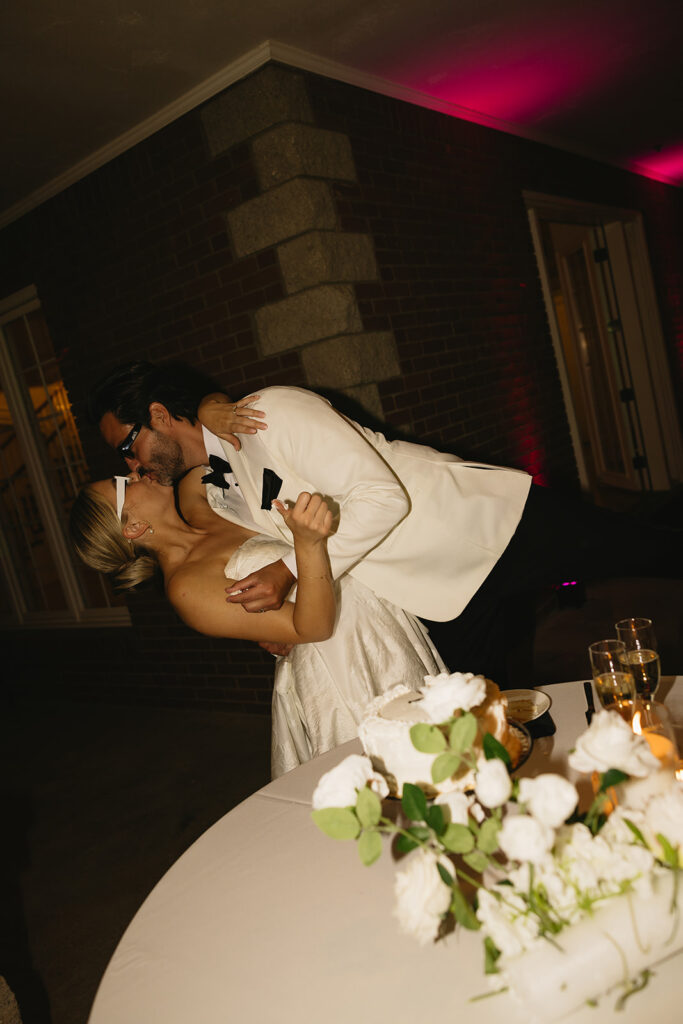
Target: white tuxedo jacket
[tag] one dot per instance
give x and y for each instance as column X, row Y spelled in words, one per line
column 420, row 528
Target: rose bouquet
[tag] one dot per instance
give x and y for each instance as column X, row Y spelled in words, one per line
column 569, row 905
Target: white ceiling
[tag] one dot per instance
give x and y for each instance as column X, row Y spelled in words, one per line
column 80, row 80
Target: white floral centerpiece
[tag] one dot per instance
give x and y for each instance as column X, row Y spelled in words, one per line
column 570, row 906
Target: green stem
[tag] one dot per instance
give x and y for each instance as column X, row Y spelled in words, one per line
column 430, row 843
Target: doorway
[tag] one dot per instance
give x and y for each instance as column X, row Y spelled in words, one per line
column 609, row 347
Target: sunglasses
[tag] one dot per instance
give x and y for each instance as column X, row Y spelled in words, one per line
column 121, row 482
column 129, row 440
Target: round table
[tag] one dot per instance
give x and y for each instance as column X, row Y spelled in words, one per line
column 264, row 919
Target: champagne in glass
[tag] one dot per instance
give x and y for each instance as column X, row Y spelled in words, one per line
column 615, row 687
column 640, row 657
column 616, row 692
column 644, row 665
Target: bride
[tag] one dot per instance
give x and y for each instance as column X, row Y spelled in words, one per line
column 350, row 645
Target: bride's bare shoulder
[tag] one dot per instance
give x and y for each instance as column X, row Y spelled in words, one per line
column 185, row 583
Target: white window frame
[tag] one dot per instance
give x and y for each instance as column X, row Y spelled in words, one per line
column 77, row 612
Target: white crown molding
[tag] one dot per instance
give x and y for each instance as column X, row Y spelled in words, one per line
column 244, row 65
column 303, row 61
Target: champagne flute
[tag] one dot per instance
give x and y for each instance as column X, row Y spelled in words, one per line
column 640, row 657
column 615, row 687
column 653, row 721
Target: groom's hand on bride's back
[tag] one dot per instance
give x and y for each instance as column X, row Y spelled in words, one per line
column 264, row 590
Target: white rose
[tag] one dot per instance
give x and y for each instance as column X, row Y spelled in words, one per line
column 549, row 798
column 616, row 831
column 599, row 865
column 457, row 806
column 524, row 838
column 664, row 815
column 422, row 897
column 477, row 812
column 444, row 694
column 339, row 787
column 507, row 921
column 493, row 784
column 609, row 743
column 547, row 877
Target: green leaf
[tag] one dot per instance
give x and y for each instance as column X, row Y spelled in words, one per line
column 491, row 955
column 404, row 844
column 493, row 748
column 611, row 778
column 368, row 807
column 463, row 733
column 444, row 766
column 337, row 822
column 369, row 847
column 446, row 876
column 476, row 860
column 458, row 838
column 414, row 802
column 435, row 819
column 636, row 832
column 427, row 738
column 670, row 852
column 463, row 912
column 487, row 840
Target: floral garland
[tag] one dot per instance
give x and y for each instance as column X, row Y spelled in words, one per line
column 513, row 858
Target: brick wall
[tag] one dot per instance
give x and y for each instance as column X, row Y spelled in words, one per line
column 446, row 335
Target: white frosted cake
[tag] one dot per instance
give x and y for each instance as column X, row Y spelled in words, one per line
column 385, row 735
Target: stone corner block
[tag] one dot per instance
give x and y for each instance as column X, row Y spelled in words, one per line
column 282, row 213
column 269, row 96
column 306, row 317
column 290, row 150
column 367, row 397
column 349, row 361
column 326, row 256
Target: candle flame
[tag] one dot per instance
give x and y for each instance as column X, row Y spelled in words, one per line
column 635, row 724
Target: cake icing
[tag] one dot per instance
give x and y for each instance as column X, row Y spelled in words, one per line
column 385, row 731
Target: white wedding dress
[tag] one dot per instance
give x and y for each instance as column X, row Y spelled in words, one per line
column 321, row 690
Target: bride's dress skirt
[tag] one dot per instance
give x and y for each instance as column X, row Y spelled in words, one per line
column 321, row 690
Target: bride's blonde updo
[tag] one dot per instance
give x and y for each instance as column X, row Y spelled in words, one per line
column 99, row 542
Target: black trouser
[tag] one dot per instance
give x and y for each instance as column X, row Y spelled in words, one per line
column 558, row 539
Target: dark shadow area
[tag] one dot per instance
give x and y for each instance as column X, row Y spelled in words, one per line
column 16, row 960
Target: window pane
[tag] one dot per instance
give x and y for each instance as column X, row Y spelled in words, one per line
column 38, row 368
column 22, row 526
column 598, row 375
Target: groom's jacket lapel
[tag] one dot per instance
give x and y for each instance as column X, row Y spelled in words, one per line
column 260, row 482
column 271, row 485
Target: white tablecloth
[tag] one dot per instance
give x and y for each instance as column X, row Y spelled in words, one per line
column 264, row 920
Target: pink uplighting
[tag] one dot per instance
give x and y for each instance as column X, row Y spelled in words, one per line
column 540, row 75
column 526, row 430
column 529, row 68
column 665, row 166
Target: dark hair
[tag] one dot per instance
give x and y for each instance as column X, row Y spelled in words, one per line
column 128, row 391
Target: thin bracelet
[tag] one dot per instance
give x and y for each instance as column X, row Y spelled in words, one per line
column 329, row 578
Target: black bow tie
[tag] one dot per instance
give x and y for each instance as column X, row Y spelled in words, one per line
column 270, row 487
column 217, row 475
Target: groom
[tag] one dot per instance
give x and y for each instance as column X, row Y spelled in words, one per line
column 451, row 541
